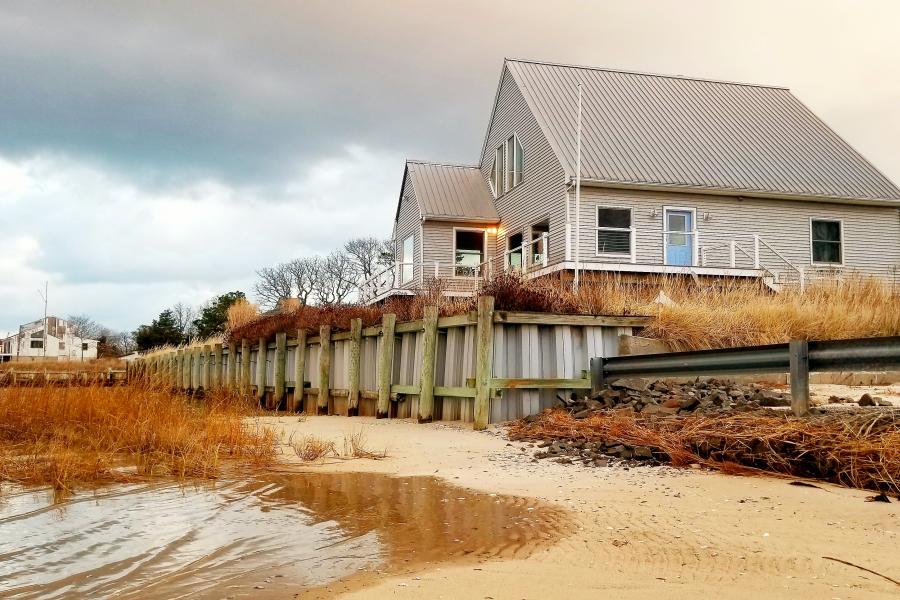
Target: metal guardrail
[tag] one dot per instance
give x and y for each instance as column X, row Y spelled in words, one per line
column 797, row 357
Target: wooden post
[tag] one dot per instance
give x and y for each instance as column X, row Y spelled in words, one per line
column 484, row 353
column 172, row 360
column 798, row 351
column 231, row 375
column 185, row 369
column 245, row 367
column 429, row 343
column 261, row 370
column 195, row 369
column 280, row 358
column 324, row 368
column 353, row 376
column 299, row 372
column 217, row 366
column 385, row 365
column 205, row 369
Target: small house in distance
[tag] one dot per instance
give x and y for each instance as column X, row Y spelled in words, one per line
column 54, row 339
column 677, row 175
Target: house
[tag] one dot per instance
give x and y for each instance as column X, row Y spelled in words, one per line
column 677, row 175
column 47, row 339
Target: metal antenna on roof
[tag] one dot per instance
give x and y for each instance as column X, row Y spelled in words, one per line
column 577, row 279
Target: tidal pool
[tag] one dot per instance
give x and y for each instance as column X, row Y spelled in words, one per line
column 267, row 536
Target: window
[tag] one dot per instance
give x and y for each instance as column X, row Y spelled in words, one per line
column 509, row 166
column 514, row 256
column 62, row 345
column 84, row 346
column 827, row 241
column 468, row 252
column 407, row 257
column 37, row 344
column 538, row 251
column 614, row 230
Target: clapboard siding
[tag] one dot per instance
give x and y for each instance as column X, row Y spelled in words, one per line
column 438, row 247
column 871, row 234
column 409, row 223
column 541, row 195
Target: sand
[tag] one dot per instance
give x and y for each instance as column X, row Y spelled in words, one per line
column 639, row 533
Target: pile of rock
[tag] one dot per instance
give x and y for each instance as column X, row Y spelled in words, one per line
column 667, row 397
column 597, row 454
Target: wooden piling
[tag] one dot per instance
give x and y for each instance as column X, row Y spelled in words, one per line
column 195, row 368
column 217, row 367
column 426, row 385
column 231, row 375
column 299, row 372
column 205, row 367
column 385, row 365
column 353, row 375
column 245, row 367
column 261, row 371
column 185, row 369
column 484, row 352
column 324, row 368
column 280, row 358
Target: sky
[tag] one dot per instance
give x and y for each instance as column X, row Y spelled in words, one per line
column 155, row 153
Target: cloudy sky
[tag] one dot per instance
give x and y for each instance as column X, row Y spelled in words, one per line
column 153, row 153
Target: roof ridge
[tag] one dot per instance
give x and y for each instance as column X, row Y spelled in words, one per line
column 646, row 73
column 441, row 164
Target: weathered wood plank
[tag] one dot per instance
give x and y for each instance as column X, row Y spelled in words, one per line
column 385, row 365
column 426, row 398
column 484, row 338
column 510, row 383
column 299, row 372
column 216, row 382
column 232, row 366
column 408, row 327
column 404, row 389
column 261, row 369
column 340, row 336
column 457, row 320
column 206, row 367
column 372, row 331
column 531, row 318
column 454, row 392
column 353, row 366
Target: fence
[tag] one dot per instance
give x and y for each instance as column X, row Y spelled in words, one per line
column 799, row 357
column 483, row 366
column 14, row 377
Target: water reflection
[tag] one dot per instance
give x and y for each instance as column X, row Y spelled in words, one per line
column 263, row 537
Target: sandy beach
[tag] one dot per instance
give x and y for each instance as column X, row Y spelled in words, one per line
column 638, row 533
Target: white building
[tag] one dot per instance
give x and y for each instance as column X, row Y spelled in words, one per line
column 56, row 341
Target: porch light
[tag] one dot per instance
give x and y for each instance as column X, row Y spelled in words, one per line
column 492, row 230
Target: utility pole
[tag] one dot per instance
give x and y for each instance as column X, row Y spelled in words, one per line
column 578, row 195
column 43, row 296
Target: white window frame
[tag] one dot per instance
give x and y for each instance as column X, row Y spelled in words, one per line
column 695, row 233
column 506, row 177
column 404, row 261
column 484, row 254
column 840, row 223
column 631, row 256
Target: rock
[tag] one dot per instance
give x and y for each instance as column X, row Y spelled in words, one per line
column 866, row 400
column 689, row 403
column 643, row 452
column 879, row 401
column 636, row 384
column 665, row 410
column 671, row 403
column 651, row 409
column 582, row 414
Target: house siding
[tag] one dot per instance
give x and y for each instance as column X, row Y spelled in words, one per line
column 871, row 233
column 439, row 245
column 409, row 222
column 541, row 195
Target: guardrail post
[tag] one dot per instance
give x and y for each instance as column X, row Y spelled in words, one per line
column 385, row 365
column 299, row 372
column 798, row 351
column 280, row 358
column 484, row 351
column 429, row 348
column 598, row 382
column 353, row 375
column 324, row 368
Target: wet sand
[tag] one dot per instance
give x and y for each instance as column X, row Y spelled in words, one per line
column 263, row 537
column 641, row 533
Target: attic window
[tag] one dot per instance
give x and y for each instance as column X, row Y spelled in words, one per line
column 508, row 168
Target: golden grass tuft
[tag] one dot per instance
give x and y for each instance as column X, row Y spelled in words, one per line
column 97, row 365
column 240, row 313
column 66, row 436
column 310, row 448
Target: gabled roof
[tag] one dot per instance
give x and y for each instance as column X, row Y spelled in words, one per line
column 669, row 131
column 451, row 192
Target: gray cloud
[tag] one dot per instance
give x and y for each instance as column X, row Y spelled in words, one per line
column 164, row 130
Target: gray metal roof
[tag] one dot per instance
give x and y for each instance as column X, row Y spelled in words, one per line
column 451, row 192
column 658, row 130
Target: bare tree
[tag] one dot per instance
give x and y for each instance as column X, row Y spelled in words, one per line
column 84, row 327
column 304, row 272
column 336, row 279
column 184, row 319
column 387, row 253
column 365, row 254
column 273, row 284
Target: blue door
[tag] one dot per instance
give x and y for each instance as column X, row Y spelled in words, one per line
column 679, row 237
